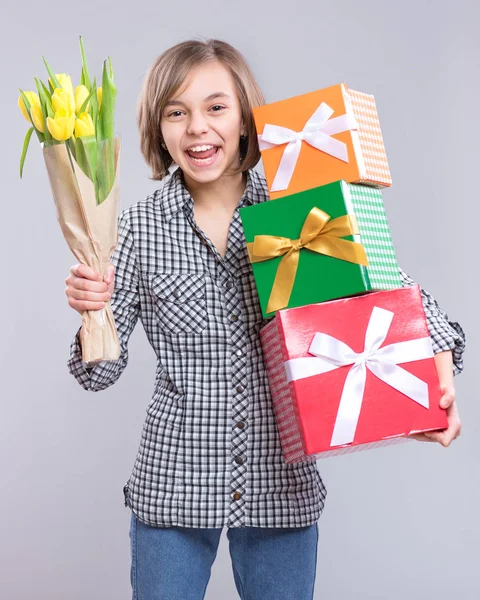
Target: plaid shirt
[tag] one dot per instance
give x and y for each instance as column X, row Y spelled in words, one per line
column 209, row 454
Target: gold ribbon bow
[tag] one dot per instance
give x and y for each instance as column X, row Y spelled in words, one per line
column 319, row 234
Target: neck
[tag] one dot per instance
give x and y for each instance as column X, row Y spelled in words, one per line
column 225, row 192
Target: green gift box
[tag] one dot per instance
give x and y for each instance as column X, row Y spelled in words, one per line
column 322, row 244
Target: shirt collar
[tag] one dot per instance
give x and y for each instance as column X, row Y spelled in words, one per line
column 173, row 196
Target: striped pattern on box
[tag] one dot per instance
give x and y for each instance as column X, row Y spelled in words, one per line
column 284, row 408
column 375, row 235
column 377, row 171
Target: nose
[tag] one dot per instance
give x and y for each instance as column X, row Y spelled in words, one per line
column 197, row 124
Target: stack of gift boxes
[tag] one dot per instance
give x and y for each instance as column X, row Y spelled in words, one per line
column 348, row 353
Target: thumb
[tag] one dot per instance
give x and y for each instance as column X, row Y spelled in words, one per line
column 109, row 274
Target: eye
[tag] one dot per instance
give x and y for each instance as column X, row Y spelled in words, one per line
column 174, row 113
column 217, row 108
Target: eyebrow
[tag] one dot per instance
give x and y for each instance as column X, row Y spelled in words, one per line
column 207, row 99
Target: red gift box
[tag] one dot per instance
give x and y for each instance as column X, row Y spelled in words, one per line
column 352, row 373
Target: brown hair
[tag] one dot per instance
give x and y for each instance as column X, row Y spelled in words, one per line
column 164, row 79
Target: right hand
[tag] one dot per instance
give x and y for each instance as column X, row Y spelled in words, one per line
column 85, row 288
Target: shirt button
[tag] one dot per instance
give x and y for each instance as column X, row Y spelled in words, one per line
column 234, row 318
column 240, row 389
column 229, row 285
column 239, row 352
column 240, row 425
column 176, row 293
column 239, row 460
column 237, row 496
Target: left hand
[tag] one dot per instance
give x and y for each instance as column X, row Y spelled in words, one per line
column 445, row 437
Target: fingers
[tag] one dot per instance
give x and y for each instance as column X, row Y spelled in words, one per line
column 452, row 433
column 448, row 396
column 434, row 436
column 86, row 272
column 421, row 437
column 86, row 290
column 109, row 274
column 88, row 294
column 445, row 437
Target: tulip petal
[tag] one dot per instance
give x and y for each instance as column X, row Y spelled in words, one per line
column 38, row 117
column 23, row 108
column 54, row 128
column 83, row 108
column 26, row 103
column 81, row 94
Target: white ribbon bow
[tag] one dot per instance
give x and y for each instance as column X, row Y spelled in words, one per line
column 317, row 132
column 331, row 353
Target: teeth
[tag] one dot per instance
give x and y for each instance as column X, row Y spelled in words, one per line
column 200, row 148
column 201, row 160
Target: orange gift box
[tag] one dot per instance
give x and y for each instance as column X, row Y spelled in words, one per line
column 320, row 137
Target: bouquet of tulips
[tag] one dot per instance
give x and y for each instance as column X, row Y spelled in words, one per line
column 75, row 128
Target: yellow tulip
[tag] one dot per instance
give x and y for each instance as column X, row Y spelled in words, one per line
column 81, row 94
column 62, row 125
column 34, row 100
column 62, row 99
column 84, row 125
column 37, row 117
column 65, row 82
column 99, row 97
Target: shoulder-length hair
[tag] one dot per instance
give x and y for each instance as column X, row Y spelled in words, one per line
column 164, row 79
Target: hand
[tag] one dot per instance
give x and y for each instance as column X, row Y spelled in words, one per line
column 86, row 290
column 444, row 363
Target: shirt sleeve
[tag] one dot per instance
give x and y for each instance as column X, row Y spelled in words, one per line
column 125, row 308
column 445, row 334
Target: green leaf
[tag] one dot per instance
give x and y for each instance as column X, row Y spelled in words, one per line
column 25, row 148
column 53, row 77
column 109, row 97
column 105, row 169
column 94, row 109
column 86, row 148
column 48, row 100
column 70, row 144
column 85, row 74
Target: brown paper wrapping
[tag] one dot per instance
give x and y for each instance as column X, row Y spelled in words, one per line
column 90, row 231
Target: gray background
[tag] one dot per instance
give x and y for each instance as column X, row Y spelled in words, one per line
column 400, row 522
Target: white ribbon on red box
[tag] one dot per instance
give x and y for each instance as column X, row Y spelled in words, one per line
column 317, row 132
column 329, row 353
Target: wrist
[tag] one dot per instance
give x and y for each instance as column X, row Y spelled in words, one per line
column 444, row 364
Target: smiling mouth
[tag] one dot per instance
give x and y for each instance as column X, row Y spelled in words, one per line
column 202, row 154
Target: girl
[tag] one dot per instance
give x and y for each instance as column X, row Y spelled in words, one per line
column 209, row 455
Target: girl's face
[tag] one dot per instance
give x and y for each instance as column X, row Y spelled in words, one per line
column 202, row 125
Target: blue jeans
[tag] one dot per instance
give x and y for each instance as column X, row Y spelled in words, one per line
column 174, row 563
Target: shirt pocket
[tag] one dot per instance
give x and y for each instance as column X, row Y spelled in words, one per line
column 179, row 301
